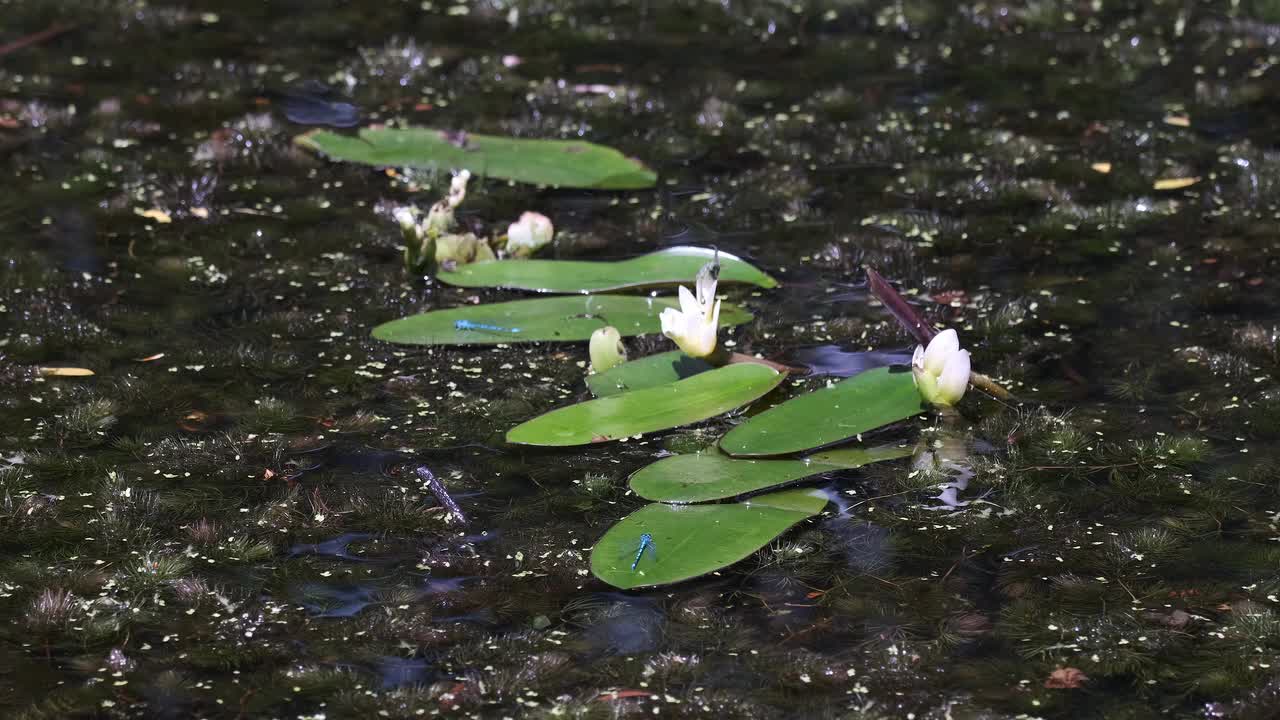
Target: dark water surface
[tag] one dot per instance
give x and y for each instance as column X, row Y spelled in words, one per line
column 223, row 521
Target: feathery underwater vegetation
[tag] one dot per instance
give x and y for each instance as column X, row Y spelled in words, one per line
column 254, row 455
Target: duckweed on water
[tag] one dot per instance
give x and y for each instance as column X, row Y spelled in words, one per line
column 219, row 522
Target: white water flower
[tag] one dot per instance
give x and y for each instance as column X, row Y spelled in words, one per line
column 693, row 326
column 528, row 234
column 942, row 371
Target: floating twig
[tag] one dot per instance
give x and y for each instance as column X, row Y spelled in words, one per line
column 442, row 496
column 64, row 372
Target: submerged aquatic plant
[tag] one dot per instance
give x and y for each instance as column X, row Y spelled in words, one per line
column 51, row 609
column 887, row 604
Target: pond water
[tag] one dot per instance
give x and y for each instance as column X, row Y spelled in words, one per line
column 223, row 521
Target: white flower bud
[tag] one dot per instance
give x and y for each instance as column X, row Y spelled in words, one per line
column 941, row 372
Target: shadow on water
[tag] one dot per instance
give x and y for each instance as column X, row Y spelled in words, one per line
column 621, row 625
column 334, row 547
column 71, row 239
column 310, row 104
column 833, row 361
column 399, row 671
column 334, row 601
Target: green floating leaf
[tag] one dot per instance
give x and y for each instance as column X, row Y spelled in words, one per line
column 693, row 540
column 644, row 411
column 557, row 319
column 862, row 403
column 712, row 476
column 566, row 163
column 666, row 267
column 648, row 371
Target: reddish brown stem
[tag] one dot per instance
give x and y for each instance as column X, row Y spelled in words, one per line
column 900, row 308
column 52, row 31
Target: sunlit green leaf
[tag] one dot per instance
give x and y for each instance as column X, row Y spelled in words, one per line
column 860, row 404
column 711, row 475
column 555, row 319
column 671, row 266
column 565, row 163
column 693, row 540
column 647, row 371
column 644, row 411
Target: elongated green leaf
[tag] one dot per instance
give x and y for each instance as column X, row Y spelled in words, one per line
column 566, row 163
column 712, row 476
column 693, row 540
column 557, row 319
column 643, row 411
column 859, row 404
column 671, row 266
column 647, row 371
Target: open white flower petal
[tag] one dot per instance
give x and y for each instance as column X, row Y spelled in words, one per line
column 688, row 303
column 704, row 340
column 672, row 322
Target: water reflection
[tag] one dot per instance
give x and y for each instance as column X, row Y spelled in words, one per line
column 336, row 601
column 833, row 361
column 617, row 624
column 399, row 671
column 312, row 106
column 947, row 458
column 335, row 547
